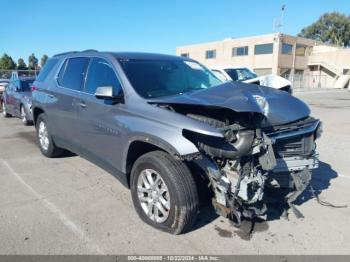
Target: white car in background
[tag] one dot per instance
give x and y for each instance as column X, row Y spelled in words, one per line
column 3, row 84
column 246, row 75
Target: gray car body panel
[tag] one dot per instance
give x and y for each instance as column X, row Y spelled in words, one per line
column 103, row 132
column 239, row 97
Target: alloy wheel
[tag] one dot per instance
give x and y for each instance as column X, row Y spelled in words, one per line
column 43, row 136
column 23, row 115
column 153, row 195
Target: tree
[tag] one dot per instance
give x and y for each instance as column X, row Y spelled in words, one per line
column 43, row 60
column 21, row 65
column 332, row 28
column 32, row 62
column 7, row 63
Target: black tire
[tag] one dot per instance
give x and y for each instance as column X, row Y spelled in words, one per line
column 51, row 150
column 182, row 189
column 4, row 112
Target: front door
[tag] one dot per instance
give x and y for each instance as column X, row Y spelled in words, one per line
column 99, row 119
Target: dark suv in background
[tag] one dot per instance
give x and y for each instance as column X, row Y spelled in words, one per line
column 166, row 126
column 17, row 99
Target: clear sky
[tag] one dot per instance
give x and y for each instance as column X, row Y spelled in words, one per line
column 54, row 26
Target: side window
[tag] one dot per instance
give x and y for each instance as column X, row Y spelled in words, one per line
column 232, row 73
column 61, row 73
column 101, row 73
column 74, row 73
column 46, row 69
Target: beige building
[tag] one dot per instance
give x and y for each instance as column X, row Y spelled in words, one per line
column 308, row 63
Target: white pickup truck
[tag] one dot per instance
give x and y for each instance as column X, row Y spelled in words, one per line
column 246, row 75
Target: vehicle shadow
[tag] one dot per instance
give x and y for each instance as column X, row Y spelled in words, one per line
column 320, row 181
column 206, row 215
column 274, row 200
column 30, row 137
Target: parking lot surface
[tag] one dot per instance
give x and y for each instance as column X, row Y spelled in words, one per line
column 69, row 206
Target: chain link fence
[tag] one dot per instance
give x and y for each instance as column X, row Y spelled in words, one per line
column 300, row 81
column 6, row 74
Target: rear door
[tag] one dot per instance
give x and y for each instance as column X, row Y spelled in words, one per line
column 62, row 108
column 16, row 98
column 23, row 88
column 99, row 126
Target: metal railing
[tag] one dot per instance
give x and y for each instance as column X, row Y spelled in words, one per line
column 310, row 81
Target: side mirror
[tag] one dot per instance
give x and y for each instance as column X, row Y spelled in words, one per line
column 106, row 92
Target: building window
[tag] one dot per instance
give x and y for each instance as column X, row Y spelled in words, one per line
column 210, row 54
column 300, row 50
column 240, row 51
column 263, row 49
column 287, row 49
column 185, row 55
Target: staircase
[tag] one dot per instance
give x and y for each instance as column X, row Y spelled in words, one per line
column 332, row 68
column 342, row 81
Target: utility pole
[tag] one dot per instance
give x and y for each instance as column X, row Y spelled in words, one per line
column 278, row 23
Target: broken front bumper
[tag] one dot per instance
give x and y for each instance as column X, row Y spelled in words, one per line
column 293, row 164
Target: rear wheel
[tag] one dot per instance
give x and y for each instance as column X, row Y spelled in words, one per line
column 46, row 144
column 4, row 110
column 164, row 192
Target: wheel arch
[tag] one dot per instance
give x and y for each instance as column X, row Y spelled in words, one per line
column 142, row 145
column 36, row 112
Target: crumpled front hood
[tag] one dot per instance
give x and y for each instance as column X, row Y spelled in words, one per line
column 279, row 107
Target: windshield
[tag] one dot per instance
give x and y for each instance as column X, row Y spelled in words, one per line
column 157, row 78
column 240, row 74
column 26, row 85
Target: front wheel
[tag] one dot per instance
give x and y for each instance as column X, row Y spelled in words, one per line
column 45, row 141
column 4, row 110
column 164, row 192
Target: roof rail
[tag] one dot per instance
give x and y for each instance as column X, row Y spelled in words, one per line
column 66, row 53
column 90, row 50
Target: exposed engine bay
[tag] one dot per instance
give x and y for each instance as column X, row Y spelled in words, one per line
column 252, row 156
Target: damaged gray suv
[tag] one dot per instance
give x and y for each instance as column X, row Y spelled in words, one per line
column 164, row 125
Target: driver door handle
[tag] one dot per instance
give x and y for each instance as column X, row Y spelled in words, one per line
column 82, row 104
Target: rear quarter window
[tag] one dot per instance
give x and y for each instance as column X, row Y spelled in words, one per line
column 46, row 69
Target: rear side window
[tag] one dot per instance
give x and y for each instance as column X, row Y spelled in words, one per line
column 101, row 73
column 46, row 69
column 72, row 73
